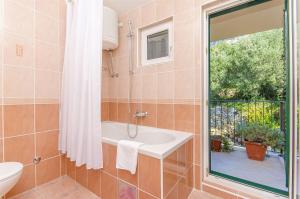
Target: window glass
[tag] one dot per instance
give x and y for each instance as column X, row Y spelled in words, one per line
column 248, row 97
column 157, row 45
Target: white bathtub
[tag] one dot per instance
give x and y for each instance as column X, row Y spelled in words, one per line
column 158, row 143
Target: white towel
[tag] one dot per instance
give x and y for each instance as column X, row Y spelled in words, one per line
column 127, row 155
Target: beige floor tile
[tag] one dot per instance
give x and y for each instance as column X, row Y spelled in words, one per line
column 61, row 188
column 201, row 195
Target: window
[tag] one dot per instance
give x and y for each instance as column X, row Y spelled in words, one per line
column 156, row 44
column 233, row 111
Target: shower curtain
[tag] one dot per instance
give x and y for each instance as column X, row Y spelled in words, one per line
column 80, row 126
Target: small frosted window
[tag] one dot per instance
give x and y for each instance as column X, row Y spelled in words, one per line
column 158, row 45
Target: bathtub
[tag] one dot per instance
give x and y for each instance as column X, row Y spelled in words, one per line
column 158, row 143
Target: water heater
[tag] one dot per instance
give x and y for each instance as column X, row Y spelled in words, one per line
column 110, row 29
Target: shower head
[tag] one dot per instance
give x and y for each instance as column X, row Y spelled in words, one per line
column 130, row 29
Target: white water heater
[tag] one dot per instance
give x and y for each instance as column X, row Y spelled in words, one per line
column 110, row 29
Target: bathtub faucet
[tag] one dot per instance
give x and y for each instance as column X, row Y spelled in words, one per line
column 140, row 114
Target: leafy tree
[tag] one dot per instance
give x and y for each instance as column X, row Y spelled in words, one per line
column 249, row 67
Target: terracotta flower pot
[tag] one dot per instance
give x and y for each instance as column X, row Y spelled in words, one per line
column 216, row 145
column 256, row 151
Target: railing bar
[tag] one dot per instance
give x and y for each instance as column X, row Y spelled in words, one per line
column 263, row 113
column 242, row 115
column 216, row 116
column 248, row 117
column 227, row 117
column 255, row 111
column 221, row 119
column 272, row 113
column 234, row 110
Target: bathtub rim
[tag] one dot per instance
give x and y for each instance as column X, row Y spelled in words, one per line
column 157, row 151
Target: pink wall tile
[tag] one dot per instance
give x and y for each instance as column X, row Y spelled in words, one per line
column 94, row 181
column 47, row 144
column 48, row 7
column 149, row 175
column 148, row 13
column 109, row 188
column 165, row 87
column 149, row 87
column 25, row 55
column 137, row 87
column 18, row 120
column 46, row 117
column 29, row 43
column 18, row 83
column 47, row 84
column 184, row 48
column 48, row 170
column 47, row 56
column 184, row 5
column 26, row 3
column 18, row 19
column 123, row 88
column 47, row 29
column 184, row 85
column 19, row 149
column 164, row 9
column 62, row 10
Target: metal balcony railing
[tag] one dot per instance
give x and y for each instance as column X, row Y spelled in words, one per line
column 227, row 115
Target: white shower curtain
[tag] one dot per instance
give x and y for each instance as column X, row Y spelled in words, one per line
column 80, row 126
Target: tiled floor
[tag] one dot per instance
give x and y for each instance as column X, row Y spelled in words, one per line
column 61, row 188
column 201, row 195
column 66, row 188
column 270, row 172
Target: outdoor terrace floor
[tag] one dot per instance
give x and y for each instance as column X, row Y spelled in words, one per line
column 270, row 172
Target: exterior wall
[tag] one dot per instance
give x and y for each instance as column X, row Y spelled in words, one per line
column 175, row 175
column 32, row 40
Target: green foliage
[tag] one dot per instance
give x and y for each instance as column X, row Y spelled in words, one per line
column 248, row 67
column 261, row 134
column 227, row 144
column 263, row 113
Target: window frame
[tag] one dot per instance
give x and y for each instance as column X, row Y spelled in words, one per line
column 144, row 33
column 208, row 179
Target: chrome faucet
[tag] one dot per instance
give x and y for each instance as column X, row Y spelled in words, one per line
column 140, row 114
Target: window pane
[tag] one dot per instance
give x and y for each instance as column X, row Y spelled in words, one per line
column 157, row 45
column 240, row 100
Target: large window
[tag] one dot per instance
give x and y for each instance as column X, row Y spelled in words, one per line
column 249, row 96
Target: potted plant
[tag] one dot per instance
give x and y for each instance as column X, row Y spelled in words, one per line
column 257, row 138
column 227, row 144
column 216, row 143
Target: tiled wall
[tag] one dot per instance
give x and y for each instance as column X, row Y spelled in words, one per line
column 32, row 40
column 169, row 92
column 175, row 176
column 178, row 173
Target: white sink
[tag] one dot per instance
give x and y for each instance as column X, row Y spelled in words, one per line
column 10, row 173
